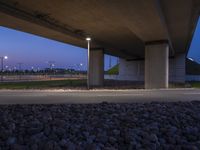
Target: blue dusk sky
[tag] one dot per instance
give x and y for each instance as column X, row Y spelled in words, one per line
column 32, row 50
column 194, row 51
column 35, row 51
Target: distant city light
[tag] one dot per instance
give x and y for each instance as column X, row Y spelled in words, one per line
column 5, row 57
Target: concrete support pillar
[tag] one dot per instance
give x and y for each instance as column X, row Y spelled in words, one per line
column 96, row 68
column 156, row 66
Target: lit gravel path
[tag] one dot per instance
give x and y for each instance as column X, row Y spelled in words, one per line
column 104, row 126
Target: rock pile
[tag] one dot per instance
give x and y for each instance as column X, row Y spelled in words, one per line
column 104, row 126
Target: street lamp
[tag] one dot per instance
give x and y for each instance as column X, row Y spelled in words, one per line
column 81, row 65
column 20, row 70
column 88, row 39
column 2, row 58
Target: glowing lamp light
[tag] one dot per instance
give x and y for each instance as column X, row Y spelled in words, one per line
column 88, row 39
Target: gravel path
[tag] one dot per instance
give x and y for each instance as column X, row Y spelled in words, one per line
column 104, row 126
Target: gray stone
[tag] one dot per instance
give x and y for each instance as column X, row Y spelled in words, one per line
column 116, row 132
column 34, row 147
column 71, row 146
column 63, row 143
column 153, row 138
column 11, row 140
column 91, row 139
column 49, row 145
column 112, row 140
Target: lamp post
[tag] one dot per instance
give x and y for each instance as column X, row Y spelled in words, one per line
column 2, row 58
column 88, row 39
column 81, row 65
column 20, row 70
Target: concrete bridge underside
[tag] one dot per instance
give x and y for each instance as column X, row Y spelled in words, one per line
column 153, row 30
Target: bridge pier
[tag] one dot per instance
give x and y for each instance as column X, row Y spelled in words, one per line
column 134, row 70
column 156, row 65
column 96, row 68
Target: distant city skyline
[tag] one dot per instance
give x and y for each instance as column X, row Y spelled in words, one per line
column 35, row 51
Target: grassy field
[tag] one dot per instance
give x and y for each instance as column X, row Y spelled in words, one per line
column 81, row 83
column 114, row 70
column 43, row 84
column 195, row 84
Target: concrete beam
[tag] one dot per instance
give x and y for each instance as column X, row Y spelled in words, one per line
column 123, row 28
column 156, row 66
column 96, row 68
column 41, row 19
